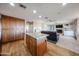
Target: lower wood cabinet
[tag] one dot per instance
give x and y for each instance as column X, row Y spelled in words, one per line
column 35, row 48
column 32, row 45
column 42, row 48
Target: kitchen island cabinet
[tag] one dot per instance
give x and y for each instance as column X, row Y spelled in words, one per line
column 36, row 43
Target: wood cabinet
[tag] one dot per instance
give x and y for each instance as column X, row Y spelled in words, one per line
column 12, row 28
column 32, row 45
column 30, row 41
column 35, row 48
column 19, row 29
column 27, row 41
column 5, row 28
column 42, row 48
column 0, row 37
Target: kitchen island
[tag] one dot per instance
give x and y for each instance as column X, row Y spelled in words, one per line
column 36, row 43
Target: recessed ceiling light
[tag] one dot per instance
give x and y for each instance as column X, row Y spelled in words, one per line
column 64, row 3
column 34, row 11
column 12, row 4
column 39, row 16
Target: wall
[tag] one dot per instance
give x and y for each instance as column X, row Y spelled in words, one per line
column 29, row 27
column 77, row 28
column 39, row 25
column 74, row 27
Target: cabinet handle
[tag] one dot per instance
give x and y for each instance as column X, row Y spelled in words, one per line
column 45, row 40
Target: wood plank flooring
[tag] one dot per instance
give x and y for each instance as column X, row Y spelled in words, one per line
column 17, row 48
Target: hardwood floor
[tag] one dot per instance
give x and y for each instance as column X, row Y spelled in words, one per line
column 17, row 48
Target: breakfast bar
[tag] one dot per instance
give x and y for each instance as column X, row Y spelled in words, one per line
column 36, row 43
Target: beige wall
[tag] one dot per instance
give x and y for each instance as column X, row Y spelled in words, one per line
column 77, row 29
column 74, row 26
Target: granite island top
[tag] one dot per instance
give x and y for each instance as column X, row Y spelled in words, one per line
column 37, row 35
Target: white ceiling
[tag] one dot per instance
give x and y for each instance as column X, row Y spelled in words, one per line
column 54, row 11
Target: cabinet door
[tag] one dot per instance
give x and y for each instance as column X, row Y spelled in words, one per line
column 12, row 28
column 45, row 46
column 0, row 37
column 5, row 35
column 32, row 46
column 19, row 29
column 27, row 41
column 5, row 22
column 5, row 29
column 16, row 30
column 42, row 48
column 0, row 30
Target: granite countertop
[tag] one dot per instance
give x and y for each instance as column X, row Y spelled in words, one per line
column 37, row 35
